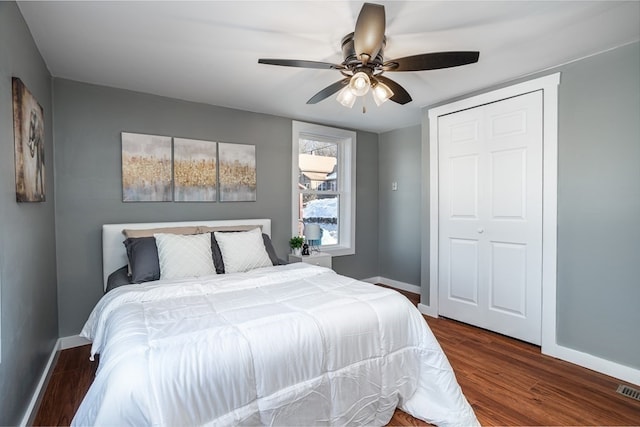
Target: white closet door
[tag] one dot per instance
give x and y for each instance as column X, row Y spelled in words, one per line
column 490, row 216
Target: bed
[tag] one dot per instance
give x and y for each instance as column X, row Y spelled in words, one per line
column 292, row 344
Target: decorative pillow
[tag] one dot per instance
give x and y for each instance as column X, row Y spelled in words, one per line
column 217, row 255
column 219, row 262
column 143, row 259
column 273, row 256
column 118, row 278
column 184, row 255
column 149, row 232
column 242, row 250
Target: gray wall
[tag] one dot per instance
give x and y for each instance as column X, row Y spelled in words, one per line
column 599, row 206
column 598, row 288
column 399, row 223
column 363, row 264
column 89, row 120
column 29, row 316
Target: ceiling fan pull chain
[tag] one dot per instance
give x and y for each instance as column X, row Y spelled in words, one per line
column 364, row 106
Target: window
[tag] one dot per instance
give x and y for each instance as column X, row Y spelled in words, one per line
column 323, row 185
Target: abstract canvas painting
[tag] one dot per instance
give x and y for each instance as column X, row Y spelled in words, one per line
column 28, row 134
column 194, row 170
column 237, row 172
column 146, row 168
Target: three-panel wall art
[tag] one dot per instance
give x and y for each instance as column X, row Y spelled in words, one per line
column 163, row 169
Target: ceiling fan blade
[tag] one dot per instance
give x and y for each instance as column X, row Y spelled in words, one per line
column 431, row 61
column 301, row 64
column 369, row 33
column 400, row 95
column 328, row 91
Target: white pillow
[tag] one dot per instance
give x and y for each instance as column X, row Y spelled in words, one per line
column 242, row 250
column 184, row 255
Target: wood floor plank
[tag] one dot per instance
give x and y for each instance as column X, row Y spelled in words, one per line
column 506, row 381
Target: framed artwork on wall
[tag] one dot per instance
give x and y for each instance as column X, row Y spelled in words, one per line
column 237, row 171
column 28, row 135
column 194, row 170
column 146, row 168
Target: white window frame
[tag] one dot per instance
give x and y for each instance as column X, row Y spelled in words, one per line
column 346, row 141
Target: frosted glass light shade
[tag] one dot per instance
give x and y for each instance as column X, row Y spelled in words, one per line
column 359, row 84
column 346, row 97
column 381, row 93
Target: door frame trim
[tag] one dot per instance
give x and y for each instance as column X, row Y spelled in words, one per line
column 549, row 86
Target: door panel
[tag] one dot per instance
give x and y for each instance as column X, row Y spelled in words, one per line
column 508, row 124
column 507, row 186
column 490, row 216
column 464, row 270
column 507, row 283
column 464, row 187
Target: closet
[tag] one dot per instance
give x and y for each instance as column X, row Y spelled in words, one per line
column 489, row 212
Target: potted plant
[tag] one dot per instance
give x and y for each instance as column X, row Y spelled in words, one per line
column 296, row 243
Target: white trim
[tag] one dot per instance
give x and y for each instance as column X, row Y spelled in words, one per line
column 541, row 83
column 30, row 411
column 434, row 226
column 424, row 309
column 595, row 363
column 394, row 284
column 347, row 181
column 427, row 310
column 549, row 214
column 549, row 86
column 73, row 341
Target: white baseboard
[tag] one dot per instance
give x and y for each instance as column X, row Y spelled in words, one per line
column 61, row 344
column 428, row 310
column 424, row 309
column 394, row 284
column 595, row 363
column 586, row 360
column 72, row 341
column 26, row 418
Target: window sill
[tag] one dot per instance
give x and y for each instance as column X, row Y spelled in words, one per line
column 336, row 250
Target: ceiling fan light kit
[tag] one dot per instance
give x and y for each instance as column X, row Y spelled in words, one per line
column 381, row 93
column 363, row 65
column 359, row 84
column 346, row 97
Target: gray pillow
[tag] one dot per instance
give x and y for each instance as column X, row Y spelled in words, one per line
column 118, row 278
column 270, row 250
column 143, row 259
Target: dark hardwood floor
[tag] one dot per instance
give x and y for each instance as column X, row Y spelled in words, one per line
column 506, row 381
column 72, row 375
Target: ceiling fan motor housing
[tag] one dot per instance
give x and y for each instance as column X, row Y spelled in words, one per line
column 352, row 62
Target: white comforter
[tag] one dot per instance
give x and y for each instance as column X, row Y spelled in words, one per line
column 287, row 345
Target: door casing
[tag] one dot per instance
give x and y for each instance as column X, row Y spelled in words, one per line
column 549, row 86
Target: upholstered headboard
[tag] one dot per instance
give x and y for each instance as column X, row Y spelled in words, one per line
column 114, row 254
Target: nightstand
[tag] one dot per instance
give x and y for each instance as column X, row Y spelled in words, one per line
column 321, row 259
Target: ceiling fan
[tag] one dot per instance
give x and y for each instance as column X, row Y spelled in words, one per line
column 364, row 63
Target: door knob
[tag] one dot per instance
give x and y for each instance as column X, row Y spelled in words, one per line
column 480, row 230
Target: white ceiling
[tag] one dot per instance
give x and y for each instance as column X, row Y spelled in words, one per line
column 207, row 51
